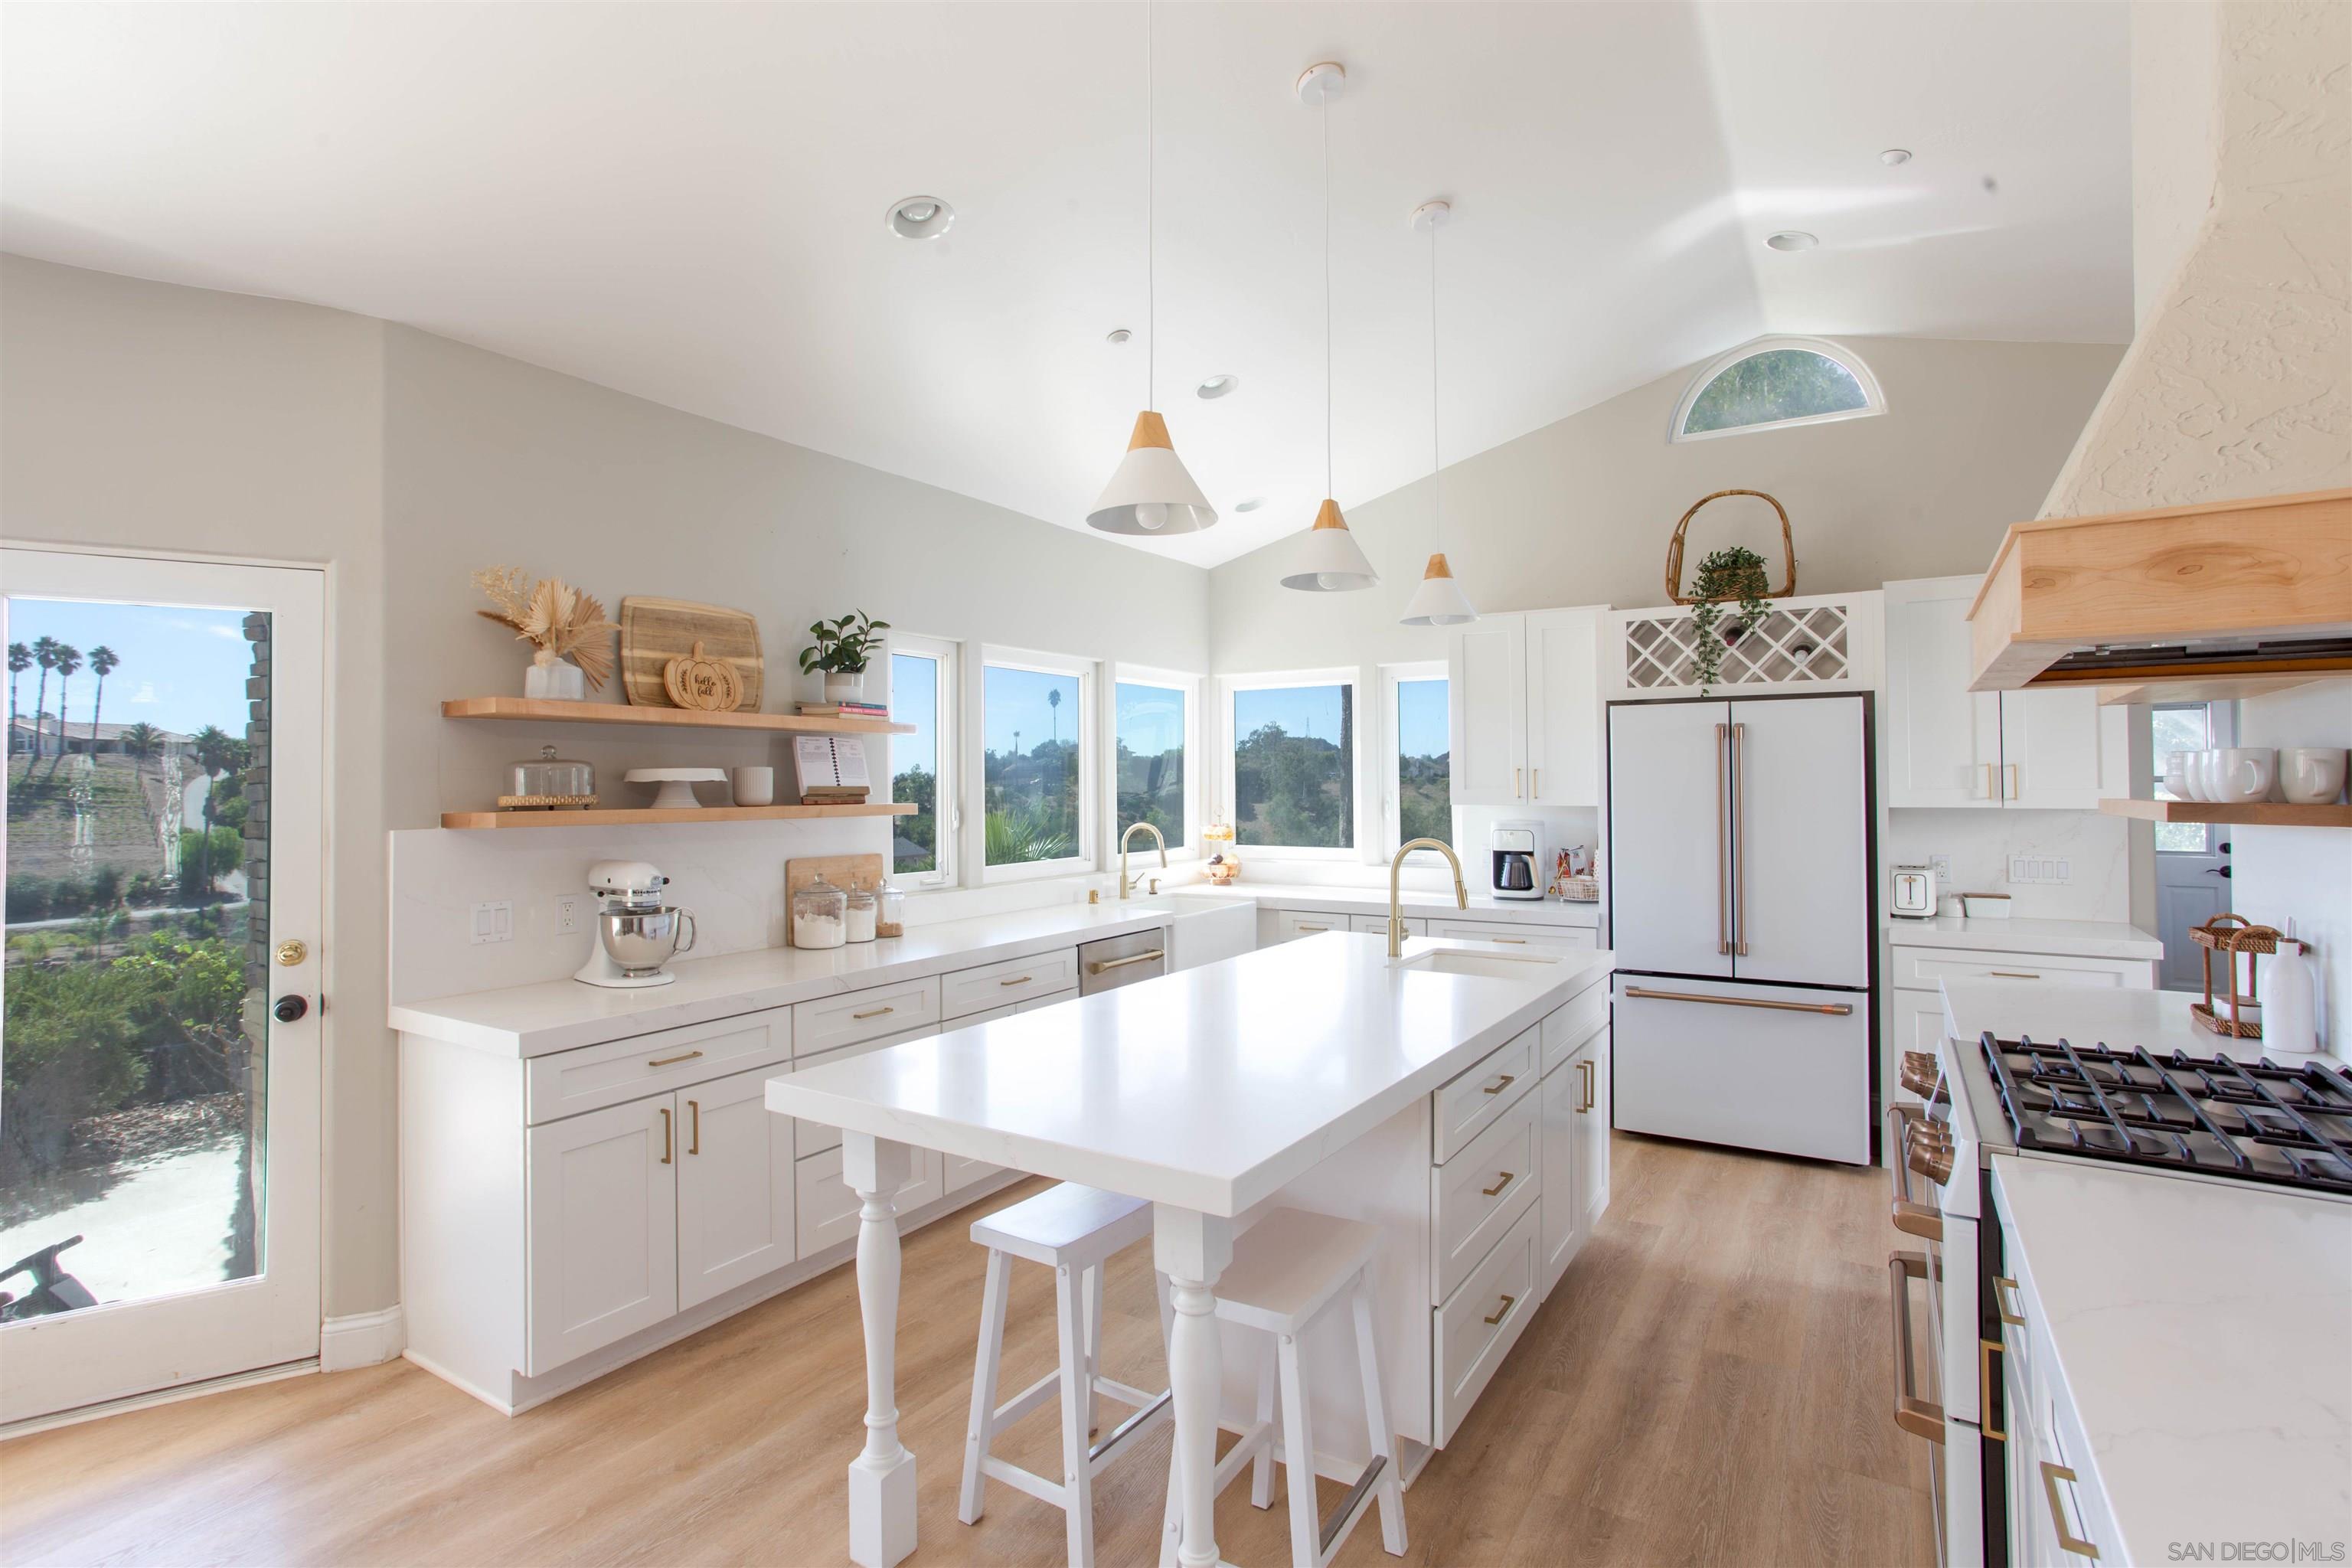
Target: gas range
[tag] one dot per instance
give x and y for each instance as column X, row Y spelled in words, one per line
column 2218, row 1116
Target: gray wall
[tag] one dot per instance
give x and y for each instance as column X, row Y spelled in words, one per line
column 1581, row 511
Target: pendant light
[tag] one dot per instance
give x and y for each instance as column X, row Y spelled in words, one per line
column 1439, row 601
column 1331, row 562
column 1149, row 492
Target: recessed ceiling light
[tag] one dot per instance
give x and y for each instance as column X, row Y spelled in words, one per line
column 1252, row 504
column 1219, row 386
column 1894, row 155
column 1790, row 239
column 919, row 217
column 1117, row 335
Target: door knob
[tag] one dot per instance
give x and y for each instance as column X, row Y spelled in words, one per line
column 288, row 1009
column 292, row 951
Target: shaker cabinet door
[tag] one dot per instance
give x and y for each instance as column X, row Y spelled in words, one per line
column 1561, row 1094
column 1486, row 673
column 601, row 1231
column 734, row 1186
column 1943, row 741
column 1564, row 708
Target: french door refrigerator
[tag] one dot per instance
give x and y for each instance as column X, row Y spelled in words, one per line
column 1741, row 909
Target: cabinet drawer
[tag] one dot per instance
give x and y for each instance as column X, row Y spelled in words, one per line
column 1028, row 1005
column 1919, row 968
column 825, row 1209
column 1543, row 938
column 992, row 985
column 865, row 1014
column 568, row 1082
column 809, row 1137
column 1377, row 925
column 1469, row 1104
column 1478, row 1194
column 1573, row 1022
column 1290, row 925
column 1480, row 1322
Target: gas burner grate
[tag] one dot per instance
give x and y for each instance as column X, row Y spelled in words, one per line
column 2289, row 1126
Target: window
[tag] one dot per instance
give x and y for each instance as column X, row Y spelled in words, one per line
column 1294, row 783
column 1151, row 740
column 1419, row 784
column 923, row 693
column 1033, row 777
column 1776, row 382
column 2188, row 726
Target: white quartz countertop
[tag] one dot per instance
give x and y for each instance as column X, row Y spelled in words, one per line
column 2081, row 1015
column 559, row 1015
column 1420, row 903
column 2078, row 938
column 2203, row 1332
column 1207, row 1088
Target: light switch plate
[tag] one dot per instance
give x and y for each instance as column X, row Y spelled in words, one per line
column 494, row 921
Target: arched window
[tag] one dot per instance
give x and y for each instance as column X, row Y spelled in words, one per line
column 1776, row 382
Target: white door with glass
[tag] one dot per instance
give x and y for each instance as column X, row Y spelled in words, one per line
column 159, row 1072
column 2192, row 859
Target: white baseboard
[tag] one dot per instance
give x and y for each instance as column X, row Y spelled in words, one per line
column 362, row 1339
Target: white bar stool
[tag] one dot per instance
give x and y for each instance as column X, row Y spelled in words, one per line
column 1288, row 1272
column 1073, row 1230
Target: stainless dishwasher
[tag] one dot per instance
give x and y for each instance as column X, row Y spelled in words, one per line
column 1121, row 960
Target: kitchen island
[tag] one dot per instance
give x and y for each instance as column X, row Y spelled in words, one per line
column 1209, row 1092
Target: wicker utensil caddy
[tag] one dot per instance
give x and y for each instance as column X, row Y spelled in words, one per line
column 1674, row 550
column 2230, row 935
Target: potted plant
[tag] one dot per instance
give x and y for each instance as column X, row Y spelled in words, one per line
column 842, row 650
column 559, row 622
column 1732, row 575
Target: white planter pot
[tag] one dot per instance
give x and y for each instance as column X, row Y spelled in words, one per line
column 844, row 688
column 563, row 679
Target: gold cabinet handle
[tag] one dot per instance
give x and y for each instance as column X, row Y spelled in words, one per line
column 1018, row 980
column 2000, row 1302
column 1535, row 783
column 1515, row 783
column 1500, row 1084
column 665, row 1144
column 874, row 1011
column 1992, row 788
column 694, row 1127
column 1509, row 940
column 1102, row 966
column 1505, row 1309
column 670, row 1061
column 1835, row 1009
column 2011, row 974
column 1309, row 927
column 1508, row 1177
column 1987, row 1381
column 2051, row 1475
column 2011, row 769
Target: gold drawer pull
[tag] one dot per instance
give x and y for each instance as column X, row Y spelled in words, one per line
column 874, row 1011
column 1500, row 1085
column 1834, row 1009
column 1312, row 927
column 1018, row 980
column 2051, row 1475
column 2011, row 974
column 2000, row 1302
column 1511, row 941
column 1505, row 1309
column 1508, row 1177
column 665, row 1144
column 1987, row 1381
column 1590, row 1074
column 670, row 1061
column 1104, row 965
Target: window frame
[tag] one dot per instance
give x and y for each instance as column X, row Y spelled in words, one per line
column 1231, row 687
column 1391, row 780
column 1189, row 686
column 1874, row 398
column 947, row 804
column 1089, row 741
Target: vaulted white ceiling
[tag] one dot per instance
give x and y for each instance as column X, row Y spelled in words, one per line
column 686, row 203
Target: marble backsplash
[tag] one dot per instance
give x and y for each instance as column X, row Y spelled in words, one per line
column 1980, row 843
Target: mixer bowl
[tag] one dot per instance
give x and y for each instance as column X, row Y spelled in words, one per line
column 642, row 940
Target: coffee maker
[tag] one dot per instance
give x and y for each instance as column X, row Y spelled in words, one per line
column 1516, row 860
column 636, row 932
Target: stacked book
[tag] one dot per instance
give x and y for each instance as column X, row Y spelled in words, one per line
column 844, row 710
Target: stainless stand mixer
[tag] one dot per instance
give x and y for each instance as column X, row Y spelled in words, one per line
column 636, row 932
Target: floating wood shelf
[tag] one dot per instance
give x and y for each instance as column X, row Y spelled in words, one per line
column 552, row 710
column 2256, row 813
column 648, row 816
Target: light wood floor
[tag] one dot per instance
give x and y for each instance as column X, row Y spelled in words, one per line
column 1710, row 1383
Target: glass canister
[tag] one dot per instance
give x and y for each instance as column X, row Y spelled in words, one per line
column 893, row 916
column 550, row 780
column 862, row 910
column 820, row 915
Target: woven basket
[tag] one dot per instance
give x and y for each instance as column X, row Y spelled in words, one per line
column 1674, row 550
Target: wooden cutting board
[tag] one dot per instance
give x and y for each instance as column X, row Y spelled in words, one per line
column 655, row 631
column 843, row 871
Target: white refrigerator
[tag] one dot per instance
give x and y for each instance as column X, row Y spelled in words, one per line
column 1740, row 912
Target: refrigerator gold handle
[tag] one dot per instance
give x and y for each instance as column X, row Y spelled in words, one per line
column 1722, row 851
column 1739, row 842
column 1834, row 1009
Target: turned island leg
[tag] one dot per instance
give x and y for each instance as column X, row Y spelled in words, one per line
column 882, row 1477
column 1192, row 1251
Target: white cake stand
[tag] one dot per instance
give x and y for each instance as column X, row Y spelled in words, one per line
column 676, row 784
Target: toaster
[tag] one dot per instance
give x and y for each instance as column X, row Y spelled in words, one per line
column 1912, row 894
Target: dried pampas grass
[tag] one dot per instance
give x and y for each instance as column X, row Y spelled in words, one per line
column 555, row 617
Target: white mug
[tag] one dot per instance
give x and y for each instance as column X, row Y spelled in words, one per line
column 2246, row 775
column 755, row 786
column 2312, row 775
column 2199, row 766
column 2176, row 774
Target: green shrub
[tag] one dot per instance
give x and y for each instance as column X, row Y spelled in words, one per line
column 74, row 1038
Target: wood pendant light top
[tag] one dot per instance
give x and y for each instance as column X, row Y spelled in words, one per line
column 1328, row 515
column 1150, row 430
column 1436, row 567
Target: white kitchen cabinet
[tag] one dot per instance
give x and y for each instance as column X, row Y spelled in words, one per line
column 1486, row 711
column 1563, row 701
column 1290, row 925
column 1593, row 1134
column 1948, row 746
column 1377, row 925
column 1537, row 939
column 827, row 1208
column 1524, row 709
column 601, row 1228
column 734, row 1186
column 1573, row 1121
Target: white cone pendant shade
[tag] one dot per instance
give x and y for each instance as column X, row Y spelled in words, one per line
column 1332, row 562
column 1439, row 601
column 1149, row 492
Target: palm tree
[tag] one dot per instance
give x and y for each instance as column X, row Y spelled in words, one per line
column 1053, row 702
column 142, row 742
column 65, row 660
column 20, row 659
column 44, row 654
column 103, row 661
column 216, row 754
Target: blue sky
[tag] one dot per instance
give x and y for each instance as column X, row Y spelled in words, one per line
column 1016, row 703
column 1315, row 711
column 915, row 700
column 182, row 669
column 1150, row 719
column 1420, row 718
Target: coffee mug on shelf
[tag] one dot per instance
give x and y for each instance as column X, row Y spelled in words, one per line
column 755, row 786
column 2201, row 775
column 2176, row 774
column 2312, row 775
column 2245, row 775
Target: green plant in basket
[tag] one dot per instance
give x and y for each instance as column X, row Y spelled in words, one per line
column 1734, row 574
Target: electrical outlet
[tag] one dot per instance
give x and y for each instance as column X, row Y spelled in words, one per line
column 1942, row 865
column 567, row 913
column 494, row 921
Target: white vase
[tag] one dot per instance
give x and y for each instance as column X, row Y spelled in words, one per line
column 561, row 679
column 839, row 687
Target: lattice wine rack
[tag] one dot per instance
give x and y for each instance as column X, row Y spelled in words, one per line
column 1828, row 642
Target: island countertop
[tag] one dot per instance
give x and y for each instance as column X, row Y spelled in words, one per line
column 1208, row 1089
